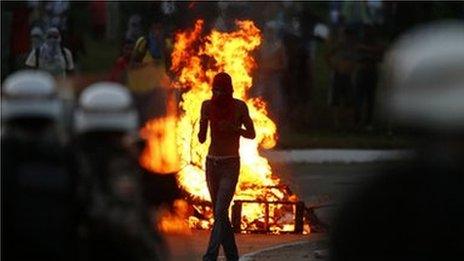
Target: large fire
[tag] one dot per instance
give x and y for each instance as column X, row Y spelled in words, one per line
column 196, row 58
column 160, row 154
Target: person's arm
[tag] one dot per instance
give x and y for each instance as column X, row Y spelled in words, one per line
column 69, row 58
column 203, row 123
column 116, row 73
column 249, row 131
column 138, row 53
column 332, row 48
column 31, row 62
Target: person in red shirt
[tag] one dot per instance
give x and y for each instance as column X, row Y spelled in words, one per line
column 119, row 71
column 99, row 14
column 19, row 41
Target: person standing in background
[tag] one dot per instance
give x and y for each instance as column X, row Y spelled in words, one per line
column 147, row 76
column 119, row 71
column 99, row 15
column 57, row 60
column 341, row 58
column 37, row 37
column 370, row 52
column 51, row 56
column 19, row 41
column 273, row 61
column 134, row 29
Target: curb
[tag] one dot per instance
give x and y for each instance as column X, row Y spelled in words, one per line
column 251, row 256
column 335, row 155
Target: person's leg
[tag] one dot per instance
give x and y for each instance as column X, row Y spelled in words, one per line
column 336, row 99
column 360, row 89
column 370, row 97
column 227, row 189
column 370, row 106
column 348, row 97
column 224, row 188
column 212, row 181
column 139, row 105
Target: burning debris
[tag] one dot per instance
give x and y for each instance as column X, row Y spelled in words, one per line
column 261, row 203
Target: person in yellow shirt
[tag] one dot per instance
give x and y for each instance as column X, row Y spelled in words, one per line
column 147, row 75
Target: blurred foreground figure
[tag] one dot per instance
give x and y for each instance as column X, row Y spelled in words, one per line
column 416, row 212
column 147, row 78
column 116, row 224
column 38, row 206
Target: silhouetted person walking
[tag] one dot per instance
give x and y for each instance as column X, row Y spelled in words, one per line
column 226, row 116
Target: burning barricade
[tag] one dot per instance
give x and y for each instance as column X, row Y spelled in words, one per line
column 261, row 202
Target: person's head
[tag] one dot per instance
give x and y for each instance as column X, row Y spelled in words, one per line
column 135, row 21
column 222, row 86
column 126, row 49
column 271, row 30
column 424, row 90
column 37, row 36
column 105, row 108
column 321, row 31
column 30, row 102
column 156, row 28
column 424, row 80
column 53, row 36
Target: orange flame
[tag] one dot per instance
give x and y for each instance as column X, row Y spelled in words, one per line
column 160, row 154
column 196, row 59
column 174, row 221
column 230, row 52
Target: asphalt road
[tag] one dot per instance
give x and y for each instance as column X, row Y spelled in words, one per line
column 328, row 185
column 315, row 184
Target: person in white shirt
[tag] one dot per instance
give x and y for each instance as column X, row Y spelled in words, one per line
column 57, row 60
column 51, row 56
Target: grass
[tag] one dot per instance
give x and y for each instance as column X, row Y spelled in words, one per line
column 100, row 55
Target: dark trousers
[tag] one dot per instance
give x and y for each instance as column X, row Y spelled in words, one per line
column 221, row 178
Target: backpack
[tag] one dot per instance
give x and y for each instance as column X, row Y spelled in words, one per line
column 37, row 55
column 142, row 54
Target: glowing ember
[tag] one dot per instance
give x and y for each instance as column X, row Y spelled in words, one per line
column 173, row 221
